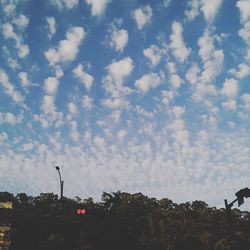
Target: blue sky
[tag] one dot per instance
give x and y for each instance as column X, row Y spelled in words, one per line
column 137, row 96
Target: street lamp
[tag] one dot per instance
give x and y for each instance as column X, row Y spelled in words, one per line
column 61, row 182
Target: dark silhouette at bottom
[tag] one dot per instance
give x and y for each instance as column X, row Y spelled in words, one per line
column 121, row 221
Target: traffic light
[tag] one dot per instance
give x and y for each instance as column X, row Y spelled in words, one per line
column 241, row 194
column 81, row 211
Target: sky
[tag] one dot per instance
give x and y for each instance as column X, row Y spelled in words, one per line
column 130, row 95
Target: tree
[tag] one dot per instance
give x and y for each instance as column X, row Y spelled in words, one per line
column 6, row 196
column 22, row 198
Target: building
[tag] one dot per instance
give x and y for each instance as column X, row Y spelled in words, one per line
column 5, row 224
column 4, row 237
column 7, row 205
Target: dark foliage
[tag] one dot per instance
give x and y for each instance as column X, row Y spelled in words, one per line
column 121, row 221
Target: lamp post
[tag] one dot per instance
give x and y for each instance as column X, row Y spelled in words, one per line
column 61, row 182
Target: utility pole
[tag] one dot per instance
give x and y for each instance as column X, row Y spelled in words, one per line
column 61, row 182
column 229, row 217
column 241, row 194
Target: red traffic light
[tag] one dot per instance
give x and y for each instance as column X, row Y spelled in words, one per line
column 81, row 211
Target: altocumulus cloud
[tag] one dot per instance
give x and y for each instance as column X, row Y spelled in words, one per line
column 153, row 100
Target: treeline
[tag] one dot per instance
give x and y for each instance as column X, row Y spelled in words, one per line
column 122, row 221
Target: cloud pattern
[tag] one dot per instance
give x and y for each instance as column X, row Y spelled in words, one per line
column 155, row 100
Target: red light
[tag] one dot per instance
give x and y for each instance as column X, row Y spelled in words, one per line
column 80, row 211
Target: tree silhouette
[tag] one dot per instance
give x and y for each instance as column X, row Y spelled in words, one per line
column 121, row 221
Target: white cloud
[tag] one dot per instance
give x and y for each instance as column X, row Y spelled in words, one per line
column 246, row 100
column 99, row 142
column 9, row 7
column 178, row 111
column 68, row 48
column 87, row 102
column 70, row 3
column 72, row 108
column 113, row 83
column 119, row 70
column 9, row 88
column 210, row 9
column 175, row 81
column 213, row 59
column 3, row 137
column 115, row 103
column 74, row 133
column 116, row 116
column 51, row 26
column 67, row 4
column 174, row 78
column 230, row 105
column 98, row 6
column 55, row 141
column 183, row 167
column 171, row 68
column 58, row 71
column 167, row 96
column 147, row 82
column 194, row 9
column 179, row 49
column 213, row 66
column 244, row 33
column 8, row 33
column 50, row 115
column 23, row 50
column 23, row 76
column 48, row 105
column 50, row 85
column 192, row 74
column 231, row 125
column 27, row 146
column 72, row 111
column 52, row 55
column 10, row 118
column 85, row 78
column 141, row 111
column 244, row 8
column 21, row 22
column 41, row 118
column 121, row 135
column 230, row 88
column 244, row 70
column 205, row 84
column 206, row 44
column 142, row 16
column 25, row 80
column 14, row 65
column 166, row 3
column 119, row 39
column 153, row 53
column 203, row 135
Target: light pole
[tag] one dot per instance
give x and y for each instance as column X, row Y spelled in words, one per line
column 61, row 182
